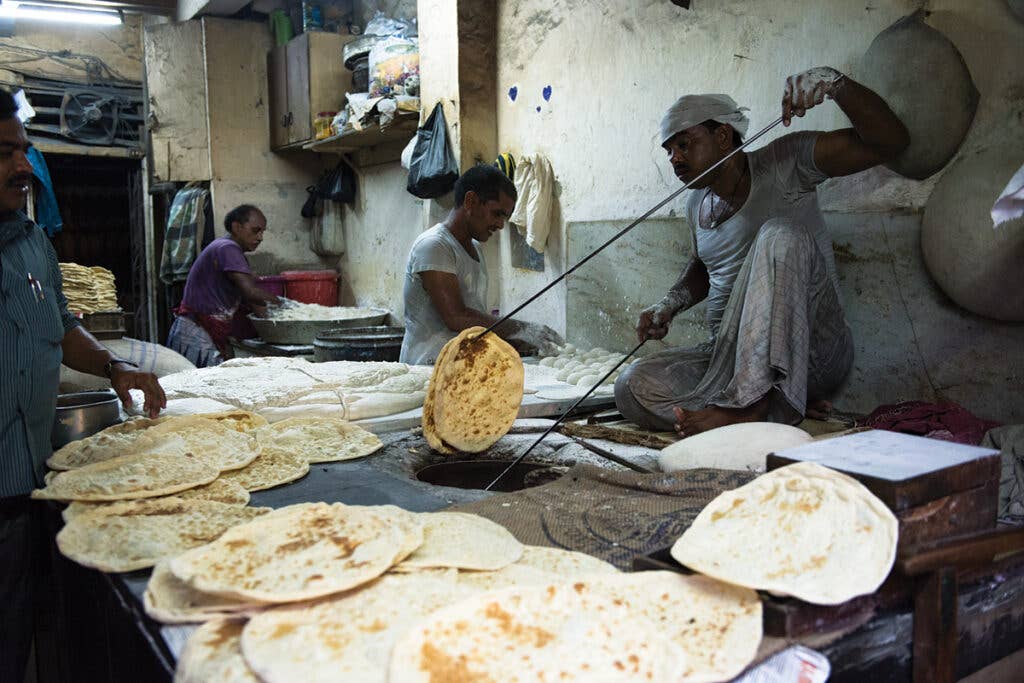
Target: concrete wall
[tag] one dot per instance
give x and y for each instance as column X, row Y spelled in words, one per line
column 614, row 66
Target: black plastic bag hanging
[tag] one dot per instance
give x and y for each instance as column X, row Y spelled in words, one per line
column 433, row 169
column 337, row 185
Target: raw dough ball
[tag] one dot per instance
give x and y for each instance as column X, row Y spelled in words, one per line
column 547, row 362
column 559, row 362
column 569, row 348
column 587, row 381
column 575, row 376
column 562, row 374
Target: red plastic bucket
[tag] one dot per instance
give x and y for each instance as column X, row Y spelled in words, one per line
column 272, row 283
column 312, row 286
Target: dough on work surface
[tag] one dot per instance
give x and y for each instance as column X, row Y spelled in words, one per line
column 213, row 653
column 474, row 394
column 318, row 440
column 148, row 474
column 218, row 490
column 136, row 534
column 802, row 530
column 465, row 541
column 302, row 552
column 346, row 638
column 550, row 632
column 734, row 447
column 270, row 469
column 170, row 600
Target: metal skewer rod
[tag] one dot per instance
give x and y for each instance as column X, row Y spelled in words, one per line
column 562, row 417
column 645, row 216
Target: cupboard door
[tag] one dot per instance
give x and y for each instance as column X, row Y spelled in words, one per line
column 297, row 53
column 329, row 80
column 277, row 73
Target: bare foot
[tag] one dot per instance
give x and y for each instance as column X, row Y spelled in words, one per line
column 819, row 410
column 690, row 422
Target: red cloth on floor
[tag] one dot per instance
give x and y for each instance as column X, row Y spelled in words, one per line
column 946, row 421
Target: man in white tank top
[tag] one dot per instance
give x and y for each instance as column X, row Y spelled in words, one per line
column 763, row 261
column 445, row 288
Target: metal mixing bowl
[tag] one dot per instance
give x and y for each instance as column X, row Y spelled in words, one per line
column 83, row 414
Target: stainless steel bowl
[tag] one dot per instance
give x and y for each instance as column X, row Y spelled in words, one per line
column 83, row 414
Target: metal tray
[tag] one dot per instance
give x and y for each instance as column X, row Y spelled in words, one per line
column 306, row 331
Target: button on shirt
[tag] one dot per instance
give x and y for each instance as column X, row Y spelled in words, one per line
column 33, row 321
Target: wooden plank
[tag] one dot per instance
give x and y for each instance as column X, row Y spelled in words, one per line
column 175, row 73
column 52, row 146
column 297, row 52
column 935, row 628
column 329, row 80
column 277, row 76
column 401, row 131
column 953, row 515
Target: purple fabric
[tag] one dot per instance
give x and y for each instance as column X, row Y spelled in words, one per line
column 208, row 290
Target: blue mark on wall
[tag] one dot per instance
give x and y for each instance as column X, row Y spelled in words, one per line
column 513, row 92
column 538, row 109
column 547, row 93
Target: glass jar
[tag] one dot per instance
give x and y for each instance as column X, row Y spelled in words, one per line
column 322, row 124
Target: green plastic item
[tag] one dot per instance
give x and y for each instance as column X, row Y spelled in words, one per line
column 281, row 27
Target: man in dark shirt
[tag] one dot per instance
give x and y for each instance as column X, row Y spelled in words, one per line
column 36, row 334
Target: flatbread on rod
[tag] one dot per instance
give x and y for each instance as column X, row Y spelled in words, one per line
column 136, row 534
column 474, row 393
column 302, row 552
column 352, row 632
column 552, row 632
column 319, row 439
column 212, row 653
column 802, row 530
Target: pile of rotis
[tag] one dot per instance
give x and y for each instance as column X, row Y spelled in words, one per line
column 474, row 393
column 147, row 489
column 282, row 388
column 319, row 592
column 89, row 289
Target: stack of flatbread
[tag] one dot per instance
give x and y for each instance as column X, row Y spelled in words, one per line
column 281, row 388
column 282, row 600
column 89, row 289
column 474, row 393
column 147, row 489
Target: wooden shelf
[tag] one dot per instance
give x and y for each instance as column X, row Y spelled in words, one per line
column 402, row 128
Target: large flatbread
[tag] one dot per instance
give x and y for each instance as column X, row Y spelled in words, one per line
column 213, row 440
column 239, row 420
column 270, row 469
column 461, row 540
column 219, row 490
column 112, row 442
column 351, row 634
column 170, row 600
column 717, row 625
column 802, row 530
column 538, row 565
column 144, row 475
column 553, row 632
column 474, row 395
column 302, row 552
column 319, row 439
column 136, row 534
column 212, row 653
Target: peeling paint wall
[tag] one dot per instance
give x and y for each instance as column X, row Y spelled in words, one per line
column 614, row 66
column 120, row 48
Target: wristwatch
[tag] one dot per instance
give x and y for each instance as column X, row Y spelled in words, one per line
column 109, row 367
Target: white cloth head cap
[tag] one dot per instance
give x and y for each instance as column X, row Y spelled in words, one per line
column 692, row 110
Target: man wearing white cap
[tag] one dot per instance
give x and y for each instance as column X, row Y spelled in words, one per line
column 763, row 262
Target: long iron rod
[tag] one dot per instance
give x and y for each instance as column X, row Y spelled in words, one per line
column 563, row 416
column 645, row 216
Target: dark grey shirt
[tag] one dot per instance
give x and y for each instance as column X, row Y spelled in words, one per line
column 33, row 321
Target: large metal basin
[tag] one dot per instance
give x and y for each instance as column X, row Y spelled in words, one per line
column 83, row 414
column 305, row 331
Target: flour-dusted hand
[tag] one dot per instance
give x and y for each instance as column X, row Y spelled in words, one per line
column 654, row 320
column 124, row 378
column 808, row 89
